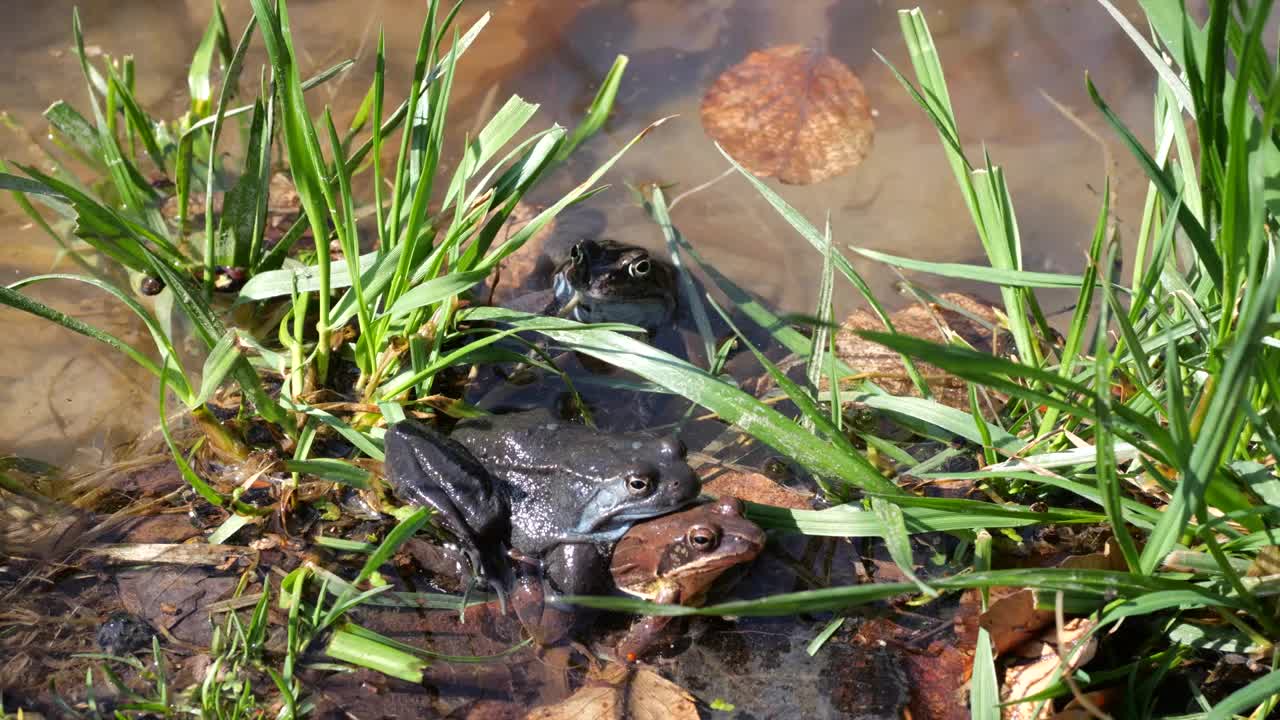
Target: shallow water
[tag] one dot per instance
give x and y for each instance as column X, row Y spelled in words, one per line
column 66, row 392
column 69, row 400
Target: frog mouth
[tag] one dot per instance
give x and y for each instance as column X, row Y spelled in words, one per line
column 627, row 517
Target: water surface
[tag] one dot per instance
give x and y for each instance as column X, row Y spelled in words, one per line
column 66, row 393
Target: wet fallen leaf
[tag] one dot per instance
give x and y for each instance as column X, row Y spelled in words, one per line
column 790, row 112
column 1038, row 665
column 939, row 681
column 1101, row 699
column 937, row 676
column 175, row 600
column 934, row 323
column 1013, row 620
column 616, row 691
column 1267, row 562
column 1013, row 616
column 754, row 487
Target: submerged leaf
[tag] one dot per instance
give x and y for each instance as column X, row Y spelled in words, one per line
column 790, row 112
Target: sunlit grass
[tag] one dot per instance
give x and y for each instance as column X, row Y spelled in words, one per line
column 1155, row 413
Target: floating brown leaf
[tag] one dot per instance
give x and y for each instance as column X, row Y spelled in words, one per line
column 790, row 112
column 754, row 487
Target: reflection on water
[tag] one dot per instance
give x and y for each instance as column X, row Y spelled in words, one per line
column 66, row 392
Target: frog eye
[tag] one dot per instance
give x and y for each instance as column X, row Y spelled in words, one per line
column 639, row 268
column 703, row 538
column 640, row 484
column 578, row 253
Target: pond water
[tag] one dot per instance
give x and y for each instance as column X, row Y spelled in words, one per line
column 71, row 401
column 68, row 399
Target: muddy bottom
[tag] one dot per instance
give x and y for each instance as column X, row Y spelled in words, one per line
column 91, row 593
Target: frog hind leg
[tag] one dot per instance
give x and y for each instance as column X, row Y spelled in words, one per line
column 427, row 468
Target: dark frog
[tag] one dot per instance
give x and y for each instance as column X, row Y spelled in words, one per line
column 602, row 281
column 606, row 281
column 553, row 495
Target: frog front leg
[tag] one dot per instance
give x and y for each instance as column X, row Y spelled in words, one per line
column 427, row 468
column 645, row 631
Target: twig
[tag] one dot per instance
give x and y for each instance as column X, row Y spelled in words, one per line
column 1068, row 673
column 676, row 201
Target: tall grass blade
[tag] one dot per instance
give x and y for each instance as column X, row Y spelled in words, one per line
column 733, row 405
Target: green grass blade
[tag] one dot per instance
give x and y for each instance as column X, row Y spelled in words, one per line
column 501, row 128
column 433, row 291
column 305, row 159
column 815, row 238
column 898, row 542
column 202, row 64
column 597, row 112
column 657, row 207
column 18, row 301
column 331, row 470
column 1231, row 385
column 222, row 358
column 1207, row 253
column 228, row 89
column 753, row 417
column 978, row 273
column 1260, row 691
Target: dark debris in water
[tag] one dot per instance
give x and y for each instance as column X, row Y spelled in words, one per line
column 123, row 634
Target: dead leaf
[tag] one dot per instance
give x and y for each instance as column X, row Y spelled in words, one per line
column 1013, row 620
column 1101, row 699
column 170, row 553
column 790, row 112
column 937, row 676
column 1039, row 668
column 754, row 487
column 1266, row 563
column 1013, row 617
column 934, row 323
column 616, row 691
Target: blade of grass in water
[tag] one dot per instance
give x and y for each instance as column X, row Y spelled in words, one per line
column 753, row 417
column 657, row 207
column 1099, row 584
column 978, row 273
column 233, row 71
column 810, row 233
column 305, row 159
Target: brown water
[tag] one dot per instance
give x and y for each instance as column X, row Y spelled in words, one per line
column 65, row 394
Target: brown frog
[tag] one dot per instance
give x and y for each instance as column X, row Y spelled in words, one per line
column 674, row 559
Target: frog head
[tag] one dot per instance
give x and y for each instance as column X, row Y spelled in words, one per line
column 648, row 477
column 607, row 281
column 675, row 558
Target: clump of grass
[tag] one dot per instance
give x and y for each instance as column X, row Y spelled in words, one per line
column 1155, row 412
column 387, row 304
column 1167, row 379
